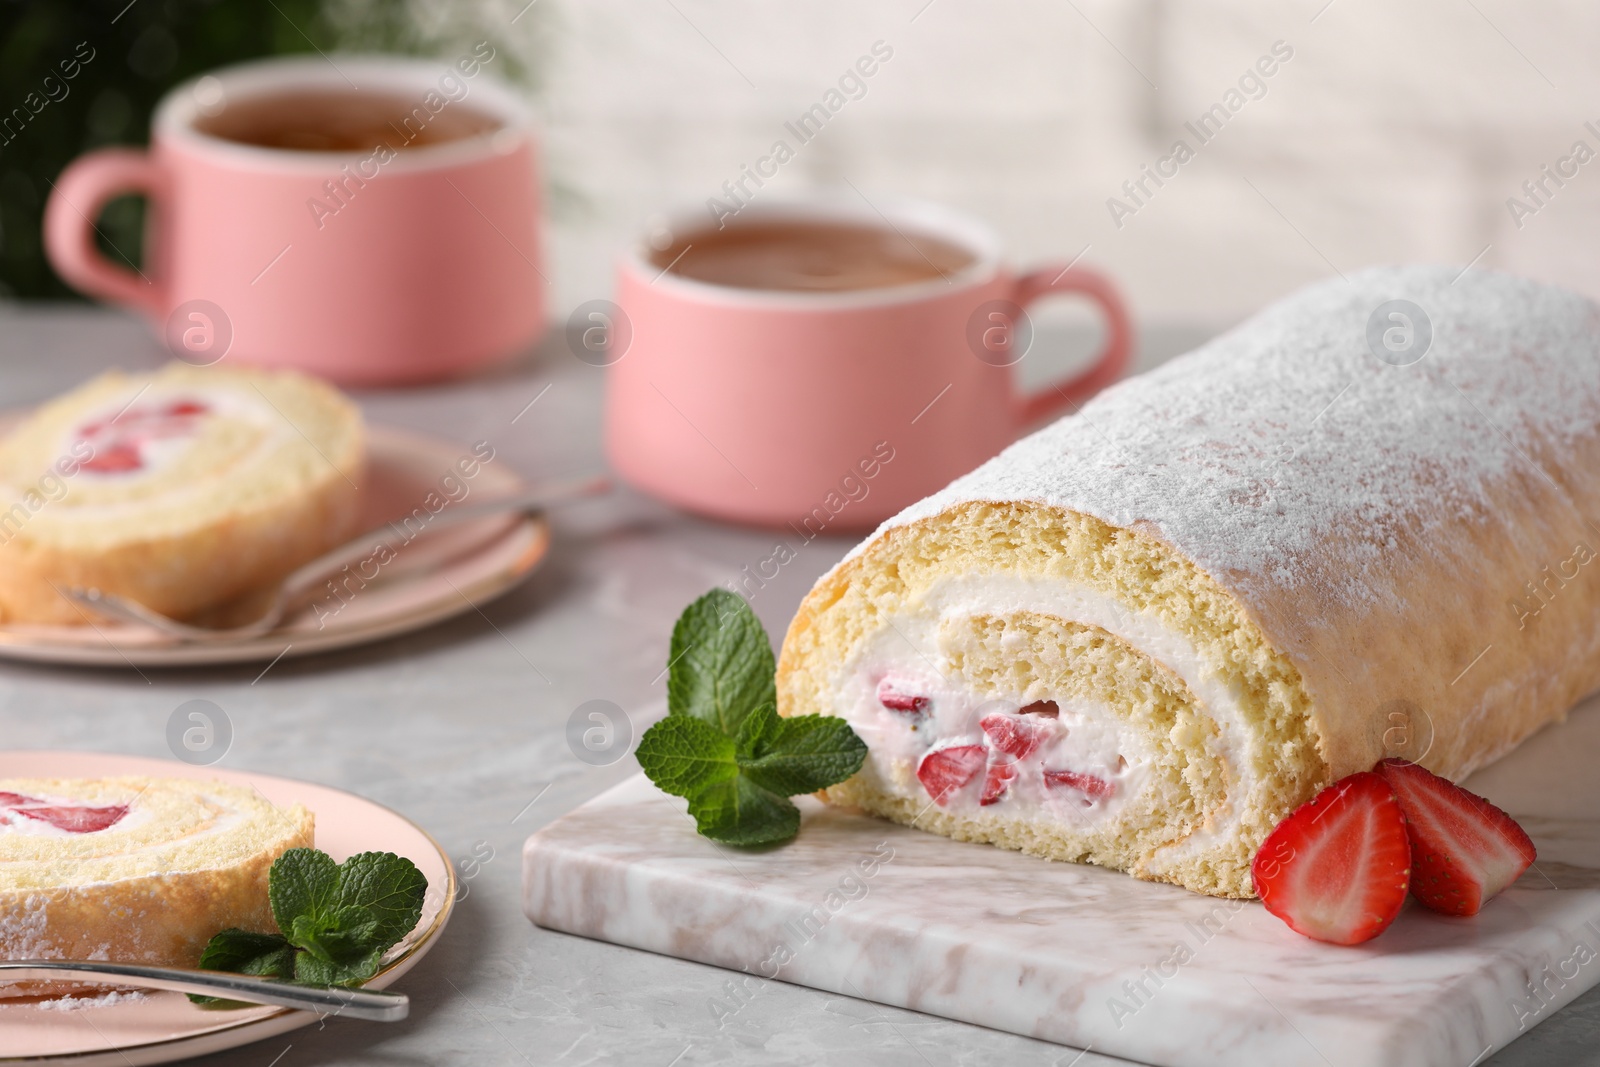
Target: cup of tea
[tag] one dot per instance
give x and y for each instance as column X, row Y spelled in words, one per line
column 820, row 365
column 368, row 219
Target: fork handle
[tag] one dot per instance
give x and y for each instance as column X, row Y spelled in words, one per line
column 376, row 1005
column 310, row 575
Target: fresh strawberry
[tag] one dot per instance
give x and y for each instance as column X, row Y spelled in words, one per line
column 1098, row 788
column 894, row 699
column 1015, row 735
column 1464, row 850
column 77, row 820
column 944, row 771
column 1047, row 708
column 1336, row 869
column 1002, row 772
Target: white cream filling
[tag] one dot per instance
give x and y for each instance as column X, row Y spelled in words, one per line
column 16, row 823
column 114, row 840
column 908, row 648
column 1083, row 739
column 158, row 452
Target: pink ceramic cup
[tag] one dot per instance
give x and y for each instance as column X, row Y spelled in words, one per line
column 829, row 412
column 364, row 267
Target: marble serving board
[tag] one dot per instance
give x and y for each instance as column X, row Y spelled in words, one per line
column 1092, row 958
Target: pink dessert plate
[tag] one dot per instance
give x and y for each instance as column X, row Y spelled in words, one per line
column 131, row 1030
column 440, row 574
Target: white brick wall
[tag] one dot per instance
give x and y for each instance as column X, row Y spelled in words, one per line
column 1395, row 133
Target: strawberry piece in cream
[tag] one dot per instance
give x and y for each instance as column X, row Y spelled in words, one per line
column 77, row 820
column 1098, row 788
column 1002, row 772
column 945, row 771
column 894, row 698
column 119, row 442
column 69, row 818
column 1016, row 735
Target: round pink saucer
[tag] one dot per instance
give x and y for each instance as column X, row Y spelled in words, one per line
column 440, row 574
column 158, row 1027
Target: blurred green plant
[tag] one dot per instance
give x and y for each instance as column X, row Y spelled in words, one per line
column 140, row 49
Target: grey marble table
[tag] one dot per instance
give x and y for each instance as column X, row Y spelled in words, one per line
column 463, row 728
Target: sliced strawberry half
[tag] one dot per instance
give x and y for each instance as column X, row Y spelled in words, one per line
column 894, row 698
column 945, row 771
column 1464, row 850
column 1016, row 735
column 1337, row 868
column 1094, row 786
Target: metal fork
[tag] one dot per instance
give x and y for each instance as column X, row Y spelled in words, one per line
column 374, row 1004
column 313, row 574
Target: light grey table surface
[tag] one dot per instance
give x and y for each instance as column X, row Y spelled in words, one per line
column 463, row 725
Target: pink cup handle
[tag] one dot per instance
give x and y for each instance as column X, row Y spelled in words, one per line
column 80, row 193
column 1108, row 365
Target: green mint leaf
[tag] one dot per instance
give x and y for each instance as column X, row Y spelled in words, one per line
column 312, row 971
column 244, row 952
column 342, row 912
column 387, row 890
column 338, row 936
column 759, row 723
column 721, row 666
column 303, row 881
column 739, row 812
column 722, row 746
column 338, row 920
column 801, row 754
column 691, row 758
column 684, row 756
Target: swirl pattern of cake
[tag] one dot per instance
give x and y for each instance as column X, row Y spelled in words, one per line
column 181, row 489
column 135, row 870
column 1143, row 635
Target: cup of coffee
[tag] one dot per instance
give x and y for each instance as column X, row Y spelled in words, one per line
column 368, row 219
column 819, row 366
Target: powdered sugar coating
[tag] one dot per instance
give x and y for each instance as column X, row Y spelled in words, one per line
column 1258, row 451
column 91, row 1000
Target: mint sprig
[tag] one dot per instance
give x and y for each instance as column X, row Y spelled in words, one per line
column 336, row 920
column 723, row 746
column 721, row 666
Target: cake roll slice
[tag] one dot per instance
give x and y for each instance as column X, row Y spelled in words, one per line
column 182, row 489
column 1144, row 634
column 134, row 870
